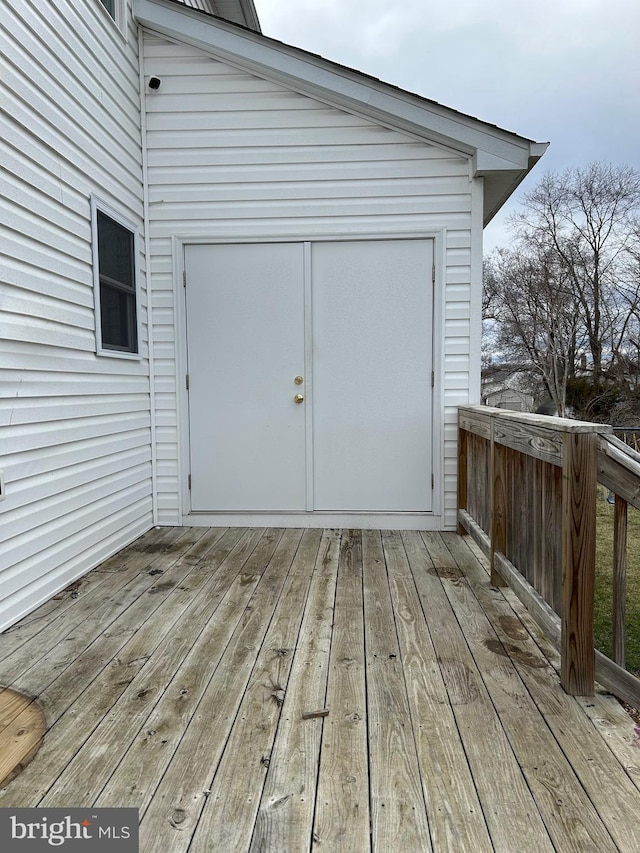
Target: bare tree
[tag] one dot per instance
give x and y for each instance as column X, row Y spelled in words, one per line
column 537, row 322
column 586, row 217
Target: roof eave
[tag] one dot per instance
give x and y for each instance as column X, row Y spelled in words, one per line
column 499, row 156
column 500, row 183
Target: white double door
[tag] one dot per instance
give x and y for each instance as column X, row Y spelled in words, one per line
column 310, row 376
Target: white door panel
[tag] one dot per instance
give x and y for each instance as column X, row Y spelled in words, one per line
column 245, row 333
column 372, row 361
column 367, row 444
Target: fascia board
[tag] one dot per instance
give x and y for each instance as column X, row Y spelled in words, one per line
column 336, row 85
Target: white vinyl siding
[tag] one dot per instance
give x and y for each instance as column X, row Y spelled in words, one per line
column 232, row 156
column 76, row 446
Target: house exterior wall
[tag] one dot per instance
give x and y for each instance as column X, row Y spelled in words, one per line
column 75, row 427
column 232, row 156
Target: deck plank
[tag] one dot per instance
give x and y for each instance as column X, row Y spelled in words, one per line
column 198, row 709
column 132, row 719
column 509, row 809
column 248, row 750
column 285, row 816
column 444, row 726
column 63, row 604
column 456, row 821
column 68, row 731
column 567, row 811
column 398, row 814
column 602, row 790
column 72, row 631
column 342, row 804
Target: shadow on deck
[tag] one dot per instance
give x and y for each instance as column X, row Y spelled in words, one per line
column 288, row 690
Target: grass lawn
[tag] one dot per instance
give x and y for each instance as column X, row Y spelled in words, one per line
column 603, row 625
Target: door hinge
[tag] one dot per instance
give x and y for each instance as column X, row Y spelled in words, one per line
column 189, row 481
column 187, row 381
column 433, row 379
column 433, row 482
column 433, row 274
column 184, row 278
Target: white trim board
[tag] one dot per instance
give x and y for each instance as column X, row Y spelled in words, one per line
column 315, row 520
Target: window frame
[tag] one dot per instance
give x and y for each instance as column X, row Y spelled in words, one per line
column 101, row 348
column 118, row 17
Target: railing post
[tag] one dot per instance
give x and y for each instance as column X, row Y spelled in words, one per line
column 463, row 455
column 498, row 505
column 579, row 478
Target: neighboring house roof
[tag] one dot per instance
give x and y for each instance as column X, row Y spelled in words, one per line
column 502, row 158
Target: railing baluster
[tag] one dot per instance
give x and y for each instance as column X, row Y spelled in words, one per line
column 498, row 506
column 619, row 579
column 463, row 454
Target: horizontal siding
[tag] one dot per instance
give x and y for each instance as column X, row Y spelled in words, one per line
column 76, row 428
column 234, row 156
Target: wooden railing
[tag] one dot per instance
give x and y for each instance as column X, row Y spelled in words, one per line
column 527, row 494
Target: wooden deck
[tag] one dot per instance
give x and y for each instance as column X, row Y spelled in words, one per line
column 286, row 691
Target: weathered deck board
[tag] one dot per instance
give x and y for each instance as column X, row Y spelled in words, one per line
column 456, row 821
column 248, row 749
column 184, row 693
column 612, row 797
column 509, row 809
column 569, row 815
column 398, row 815
column 342, row 804
column 285, row 816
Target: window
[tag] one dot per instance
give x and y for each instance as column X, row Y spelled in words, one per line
column 110, row 6
column 116, row 298
column 115, row 9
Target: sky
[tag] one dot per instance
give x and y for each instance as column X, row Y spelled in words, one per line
column 560, row 71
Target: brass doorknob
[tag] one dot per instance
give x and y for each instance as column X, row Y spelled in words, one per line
column 298, row 380
column 298, row 398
